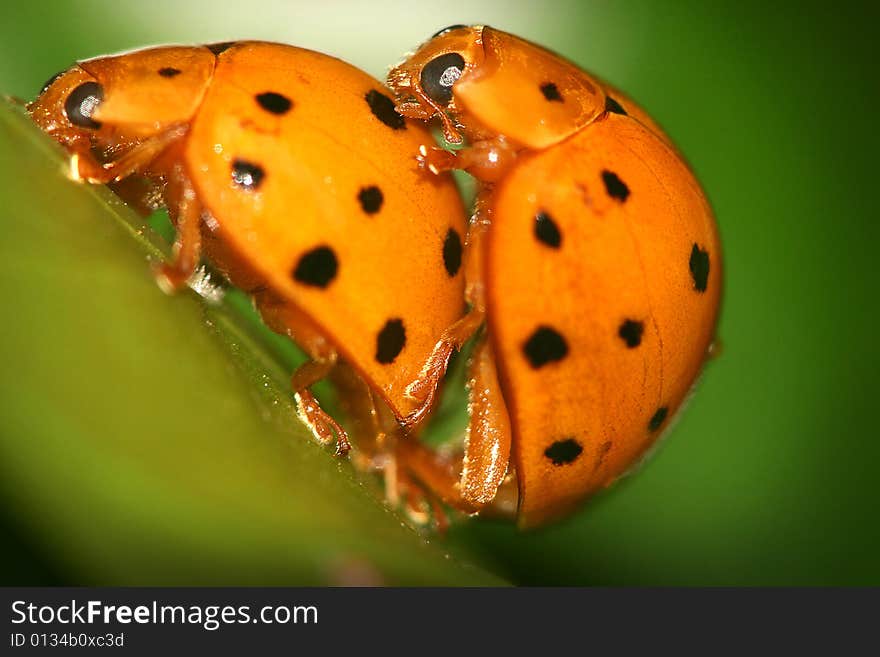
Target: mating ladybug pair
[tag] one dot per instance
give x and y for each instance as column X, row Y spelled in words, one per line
column 590, row 267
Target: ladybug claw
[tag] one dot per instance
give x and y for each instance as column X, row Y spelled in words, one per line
column 169, row 278
column 424, row 389
column 422, row 392
column 322, row 425
column 420, row 506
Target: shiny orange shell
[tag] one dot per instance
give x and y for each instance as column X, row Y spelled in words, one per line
column 602, row 292
column 309, row 189
column 603, row 286
column 336, row 178
column 602, row 264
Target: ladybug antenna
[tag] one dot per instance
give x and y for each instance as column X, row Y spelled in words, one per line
column 450, row 129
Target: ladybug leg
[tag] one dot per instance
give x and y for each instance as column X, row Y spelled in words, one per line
column 385, row 448
column 437, row 471
column 370, row 420
column 320, row 422
column 140, row 193
column 378, row 433
column 419, row 503
column 284, row 318
column 323, row 426
column 185, row 212
column 180, row 196
column 472, row 482
column 436, row 159
column 488, row 439
column 423, row 390
column 84, row 166
column 487, row 160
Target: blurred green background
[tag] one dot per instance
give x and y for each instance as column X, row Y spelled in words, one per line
column 770, row 476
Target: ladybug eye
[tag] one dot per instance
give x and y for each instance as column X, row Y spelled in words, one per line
column 81, row 104
column 440, row 74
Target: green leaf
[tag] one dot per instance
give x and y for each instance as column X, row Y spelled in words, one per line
column 151, row 439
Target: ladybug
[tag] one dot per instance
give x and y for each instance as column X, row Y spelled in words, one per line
column 292, row 172
column 593, row 258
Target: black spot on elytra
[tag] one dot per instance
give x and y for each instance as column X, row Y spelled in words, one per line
column 546, row 230
column 452, row 252
column 247, row 175
column 81, row 102
column 317, row 267
column 631, row 332
column 217, row 48
column 699, row 266
column 390, row 341
column 551, row 92
column 370, row 199
column 382, row 108
column 615, row 187
column 545, row 345
column 613, row 106
column 273, row 102
column 658, row 418
column 563, row 452
column 169, row 71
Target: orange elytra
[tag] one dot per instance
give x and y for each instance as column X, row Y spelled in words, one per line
column 292, row 171
column 593, row 257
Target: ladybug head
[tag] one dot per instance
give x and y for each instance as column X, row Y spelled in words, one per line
column 67, row 106
column 424, row 84
column 109, row 102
